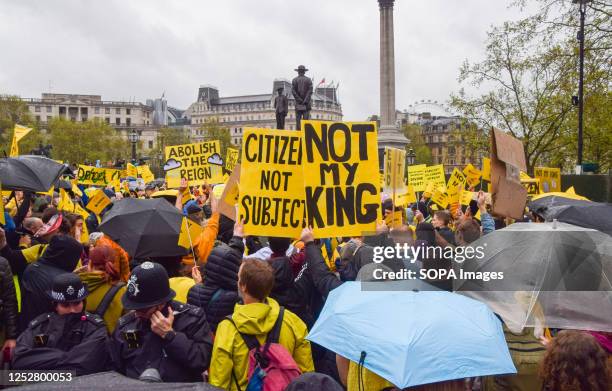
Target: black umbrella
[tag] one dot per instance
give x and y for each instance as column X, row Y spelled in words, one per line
column 542, row 274
column 145, row 228
column 583, row 213
column 30, row 173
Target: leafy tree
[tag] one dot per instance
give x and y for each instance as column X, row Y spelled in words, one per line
column 212, row 130
column 15, row 111
column 417, row 143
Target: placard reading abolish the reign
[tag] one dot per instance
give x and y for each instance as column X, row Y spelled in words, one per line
column 271, row 183
column 341, row 177
column 199, row 163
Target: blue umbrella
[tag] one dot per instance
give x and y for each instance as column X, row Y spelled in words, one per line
column 413, row 337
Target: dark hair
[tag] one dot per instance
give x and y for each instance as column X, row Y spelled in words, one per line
column 443, row 215
column 48, row 213
column 575, row 361
column 279, row 245
column 469, row 230
column 257, row 277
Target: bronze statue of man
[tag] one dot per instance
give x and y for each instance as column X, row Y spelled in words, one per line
column 302, row 92
column 281, row 106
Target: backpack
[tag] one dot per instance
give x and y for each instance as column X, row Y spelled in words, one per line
column 271, row 367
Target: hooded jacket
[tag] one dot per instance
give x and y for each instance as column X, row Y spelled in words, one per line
column 230, row 353
column 218, row 294
column 98, row 286
column 62, row 256
column 292, row 293
column 9, row 301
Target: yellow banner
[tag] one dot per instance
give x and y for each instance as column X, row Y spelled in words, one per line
column 98, row 202
column 199, row 163
column 435, row 175
column 231, row 158
column 472, row 175
column 550, row 179
column 271, row 183
column 416, row 176
column 19, row 133
column 89, row 175
column 394, row 168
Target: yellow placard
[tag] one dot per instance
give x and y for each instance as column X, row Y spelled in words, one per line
column 199, row 163
column 395, row 219
column 472, row 175
column 550, row 179
column 340, row 163
column 466, row 197
column 98, row 202
column 435, row 175
column 190, row 231
column 89, row 175
column 145, row 173
column 132, row 170
column 429, row 189
column 393, row 173
column 440, row 198
column 416, row 176
column 486, row 169
column 231, row 158
column 455, row 182
column 271, row 183
column 405, row 198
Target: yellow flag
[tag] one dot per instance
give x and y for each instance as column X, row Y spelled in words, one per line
column 19, row 133
column 98, row 202
column 75, row 189
column 65, row 203
column 190, row 231
column 79, row 210
column 145, row 173
column 132, row 170
column 2, row 219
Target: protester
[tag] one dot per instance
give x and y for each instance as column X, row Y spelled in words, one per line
column 104, row 286
column 119, row 255
column 8, row 303
column 256, row 317
column 67, row 338
column 218, row 293
column 160, row 339
column 441, row 219
column 575, row 361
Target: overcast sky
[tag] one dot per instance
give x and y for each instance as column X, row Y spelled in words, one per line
column 137, row 49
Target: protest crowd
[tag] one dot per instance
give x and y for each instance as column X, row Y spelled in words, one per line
column 177, row 281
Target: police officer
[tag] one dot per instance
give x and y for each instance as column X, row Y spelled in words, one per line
column 67, row 339
column 161, row 339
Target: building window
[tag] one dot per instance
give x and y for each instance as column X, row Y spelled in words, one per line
column 118, row 110
column 117, row 121
column 37, row 109
column 128, row 121
column 49, row 108
column 439, row 150
column 107, row 120
column 128, row 111
column 451, row 151
column 38, row 118
column 96, row 110
column 451, row 162
column 150, row 144
column 107, row 110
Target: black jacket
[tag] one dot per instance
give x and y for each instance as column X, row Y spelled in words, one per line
column 182, row 358
column 63, row 342
column 220, row 282
column 323, row 279
column 9, row 301
column 61, row 256
column 293, row 294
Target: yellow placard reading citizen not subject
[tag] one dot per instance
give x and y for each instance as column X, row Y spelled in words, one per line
column 199, row 163
column 271, row 190
column 340, row 163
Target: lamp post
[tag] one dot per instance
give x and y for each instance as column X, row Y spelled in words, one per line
column 582, row 5
column 133, row 137
column 411, row 157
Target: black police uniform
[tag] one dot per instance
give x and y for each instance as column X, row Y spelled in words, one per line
column 180, row 357
column 64, row 342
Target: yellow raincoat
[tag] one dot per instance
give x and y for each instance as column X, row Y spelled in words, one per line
column 230, row 353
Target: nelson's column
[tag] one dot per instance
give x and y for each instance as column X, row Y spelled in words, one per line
column 389, row 134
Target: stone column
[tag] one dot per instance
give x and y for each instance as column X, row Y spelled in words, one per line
column 389, row 134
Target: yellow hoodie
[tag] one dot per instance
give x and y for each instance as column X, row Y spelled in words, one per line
column 230, row 353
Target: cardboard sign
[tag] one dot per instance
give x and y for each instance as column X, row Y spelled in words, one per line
column 472, row 175
column 394, row 167
column 271, row 183
column 416, row 177
column 98, row 202
column 199, row 163
column 340, row 166
column 231, row 158
column 435, row 175
column 550, row 179
column 507, row 160
column 89, row 175
column 229, row 197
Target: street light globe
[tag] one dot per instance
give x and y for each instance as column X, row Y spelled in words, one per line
column 133, row 136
